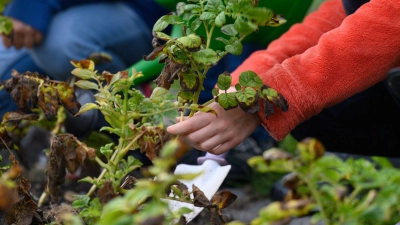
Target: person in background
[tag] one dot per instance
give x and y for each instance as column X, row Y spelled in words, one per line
column 294, row 11
column 331, row 69
column 47, row 34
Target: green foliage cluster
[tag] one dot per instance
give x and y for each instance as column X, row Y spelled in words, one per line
column 355, row 191
column 139, row 121
column 189, row 57
column 5, row 23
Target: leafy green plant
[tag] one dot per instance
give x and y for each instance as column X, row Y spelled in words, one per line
column 339, row 192
column 139, row 121
column 5, row 23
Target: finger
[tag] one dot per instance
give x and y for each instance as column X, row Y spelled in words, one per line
column 211, row 143
column 28, row 41
column 38, row 38
column 190, row 125
column 224, row 147
column 7, row 41
column 201, row 135
column 18, row 40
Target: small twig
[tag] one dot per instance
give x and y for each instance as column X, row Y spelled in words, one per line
column 43, row 197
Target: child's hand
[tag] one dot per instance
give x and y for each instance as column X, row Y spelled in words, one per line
column 22, row 35
column 207, row 132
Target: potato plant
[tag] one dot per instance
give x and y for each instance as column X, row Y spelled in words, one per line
column 139, row 122
column 355, row 191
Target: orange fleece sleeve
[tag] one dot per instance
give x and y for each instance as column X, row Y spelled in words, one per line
column 326, row 59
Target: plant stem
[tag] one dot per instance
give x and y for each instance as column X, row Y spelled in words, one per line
column 316, row 196
column 43, row 197
column 208, row 102
column 120, row 156
column 178, row 200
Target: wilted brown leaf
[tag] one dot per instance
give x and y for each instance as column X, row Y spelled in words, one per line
column 155, row 53
column 65, row 153
column 5, row 140
column 84, row 64
column 276, row 154
column 152, row 140
column 7, row 197
column 100, row 58
column 106, row 192
column 268, row 108
column 18, row 116
column 252, row 108
column 25, row 210
column 66, row 97
column 200, row 200
column 168, row 74
column 24, row 87
column 223, row 199
column 108, row 76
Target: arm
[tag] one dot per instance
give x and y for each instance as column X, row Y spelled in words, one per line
column 346, row 60
column 349, row 57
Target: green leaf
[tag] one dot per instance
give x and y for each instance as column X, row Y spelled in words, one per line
column 188, row 96
column 84, row 84
column 169, row 149
column 5, row 25
column 215, row 91
column 214, row 6
column 184, row 210
column 229, row 30
column 248, row 100
column 160, row 25
column 260, row 16
column 258, row 163
column 106, row 150
column 206, row 57
column 158, row 92
column 220, row 20
column 224, row 81
column 81, row 201
column 207, row 16
column 172, row 19
column 247, row 96
column 222, row 39
column 250, row 79
column 234, row 46
column 188, row 176
column 190, row 41
column 277, row 21
column 227, row 101
column 88, row 180
column 84, row 74
column 189, row 82
column 180, row 8
column 86, row 107
column 112, row 130
column 195, row 24
column 163, row 36
column 383, row 162
column 238, row 87
column 269, row 92
column 244, row 27
column 192, row 8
